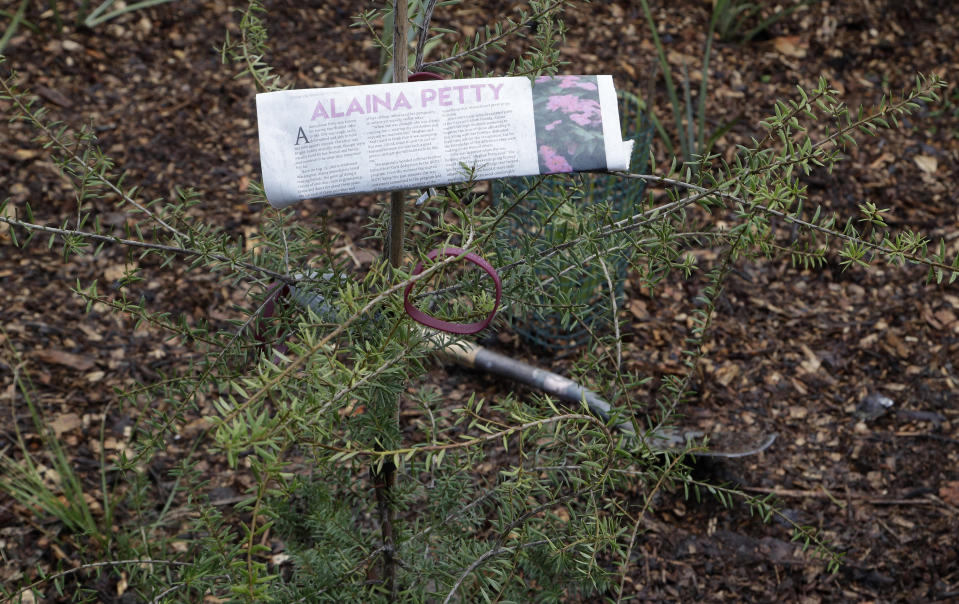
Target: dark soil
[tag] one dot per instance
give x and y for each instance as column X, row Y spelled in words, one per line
column 794, row 352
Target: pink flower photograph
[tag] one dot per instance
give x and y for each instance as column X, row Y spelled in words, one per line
column 569, row 124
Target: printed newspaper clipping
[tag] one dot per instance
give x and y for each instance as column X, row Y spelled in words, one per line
column 336, row 141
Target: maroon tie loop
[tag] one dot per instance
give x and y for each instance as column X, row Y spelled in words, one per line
column 279, row 292
column 459, row 328
column 424, row 76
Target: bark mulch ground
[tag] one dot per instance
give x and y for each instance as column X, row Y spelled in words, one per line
column 800, row 353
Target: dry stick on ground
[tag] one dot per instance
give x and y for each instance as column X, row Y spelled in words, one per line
column 860, row 497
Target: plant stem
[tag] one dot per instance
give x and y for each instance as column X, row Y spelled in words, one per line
column 384, row 474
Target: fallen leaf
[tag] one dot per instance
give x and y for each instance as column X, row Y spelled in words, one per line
column 950, row 492
column 7, row 211
column 54, row 96
column 791, row 46
column 26, row 597
column 346, row 81
column 91, row 333
column 18, row 192
column 812, row 362
column 95, row 506
column 118, row 271
column 25, row 154
column 926, row 163
column 49, row 476
column 366, row 256
column 946, row 316
column 638, row 309
column 679, row 59
column 66, row 423
column 882, row 160
column 59, row 357
column 727, row 373
column 192, row 428
column 113, row 444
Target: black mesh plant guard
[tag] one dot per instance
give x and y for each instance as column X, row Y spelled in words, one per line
column 575, row 300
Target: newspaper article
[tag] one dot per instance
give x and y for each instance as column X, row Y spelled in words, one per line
column 328, row 142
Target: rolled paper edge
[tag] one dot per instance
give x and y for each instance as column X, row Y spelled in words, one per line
column 618, row 152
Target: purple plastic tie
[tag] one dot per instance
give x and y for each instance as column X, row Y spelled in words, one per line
column 459, row 328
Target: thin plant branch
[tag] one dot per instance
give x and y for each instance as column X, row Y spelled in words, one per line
column 172, row 249
column 55, row 139
column 373, row 303
column 498, row 435
column 496, row 551
column 424, row 35
column 502, row 35
column 648, row 500
column 796, row 220
column 615, row 314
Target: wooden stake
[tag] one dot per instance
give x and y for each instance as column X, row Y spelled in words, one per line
column 394, row 241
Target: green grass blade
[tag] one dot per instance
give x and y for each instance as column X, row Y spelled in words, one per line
column 97, row 17
column 774, row 18
column 667, row 71
column 14, row 24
